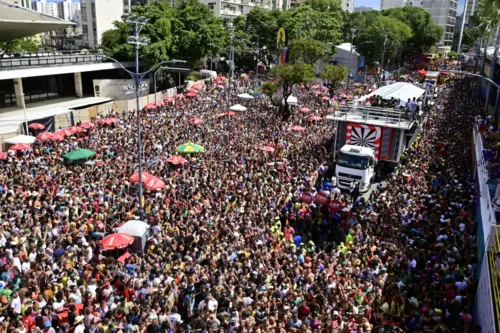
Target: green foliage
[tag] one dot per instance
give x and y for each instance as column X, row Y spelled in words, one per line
column 269, row 88
column 261, row 27
column 307, row 50
column 451, row 54
column 469, row 38
column 27, row 44
column 291, row 74
column 335, row 73
column 186, row 32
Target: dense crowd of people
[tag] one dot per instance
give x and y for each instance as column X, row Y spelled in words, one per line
column 233, row 248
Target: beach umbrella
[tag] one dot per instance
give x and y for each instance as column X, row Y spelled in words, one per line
column 116, row 241
column 87, row 125
column 169, row 100
column 36, row 126
column 79, row 154
column 324, row 89
column 110, row 121
column 191, row 94
column 325, row 98
column 302, row 87
column 3, row 155
column 350, row 97
column 135, row 177
column 20, row 146
column 343, row 95
column 268, row 149
column 195, row 121
column 314, row 87
column 313, row 118
column 64, row 132
column 189, row 147
column 56, row 137
column 238, row 107
column 75, row 129
column 155, row 183
column 305, row 110
column 44, row 136
column 124, row 257
column 317, row 93
column 230, row 113
column 297, row 128
column 176, row 160
column 179, row 96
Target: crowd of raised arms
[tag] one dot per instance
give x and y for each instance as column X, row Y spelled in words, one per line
column 233, row 248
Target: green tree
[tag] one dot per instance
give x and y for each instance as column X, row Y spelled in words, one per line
column 469, row 38
column 307, row 50
column 334, row 74
column 269, row 88
column 20, row 45
column 451, row 55
column 425, row 33
column 261, row 27
column 289, row 75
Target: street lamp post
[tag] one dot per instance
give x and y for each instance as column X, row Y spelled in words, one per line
column 383, row 53
column 230, row 28
column 137, row 23
column 353, row 32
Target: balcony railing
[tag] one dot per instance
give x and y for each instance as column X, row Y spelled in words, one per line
column 60, row 58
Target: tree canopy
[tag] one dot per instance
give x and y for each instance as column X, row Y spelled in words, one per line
column 27, row 44
column 307, row 50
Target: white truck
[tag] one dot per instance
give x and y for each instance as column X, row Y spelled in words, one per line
column 355, row 164
column 367, row 139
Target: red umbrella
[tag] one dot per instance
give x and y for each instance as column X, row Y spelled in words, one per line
column 312, row 118
column 267, row 148
column 20, row 146
column 317, row 93
column 324, row 89
column 230, row 113
column 116, row 241
column 145, row 177
column 64, row 132
column 110, row 121
column 123, row 257
column 305, row 110
column 3, row 155
column 75, row 129
column 176, row 160
column 36, row 126
column 422, row 72
column 159, row 103
column 44, row 136
column 179, row 96
column 350, row 97
column 196, row 121
column 314, row 87
column 87, row 125
column 325, row 98
column 155, row 183
column 57, row 137
column 297, row 128
column 169, row 100
column 147, row 107
column 302, row 87
column 191, row 94
column 343, row 95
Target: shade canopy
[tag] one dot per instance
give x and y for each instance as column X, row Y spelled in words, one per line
column 245, row 96
column 20, row 146
column 238, row 107
column 79, row 154
column 27, row 139
column 134, row 228
column 116, row 241
column 292, row 100
column 145, row 177
column 44, row 136
column 176, row 160
column 190, row 147
column 36, row 126
column 401, row 90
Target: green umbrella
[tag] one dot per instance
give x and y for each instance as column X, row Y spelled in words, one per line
column 190, row 147
column 79, row 154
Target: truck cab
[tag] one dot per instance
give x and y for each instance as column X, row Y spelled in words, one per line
column 355, row 163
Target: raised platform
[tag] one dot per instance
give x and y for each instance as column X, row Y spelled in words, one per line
column 385, row 117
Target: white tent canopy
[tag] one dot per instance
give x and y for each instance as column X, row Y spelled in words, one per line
column 401, row 90
column 245, row 96
column 134, row 228
column 292, row 100
column 238, row 107
column 26, row 139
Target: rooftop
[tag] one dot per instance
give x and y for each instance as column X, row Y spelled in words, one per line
column 386, row 117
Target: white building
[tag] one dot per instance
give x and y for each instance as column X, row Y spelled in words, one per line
column 232, row 8
column 387, row 4
column 472, row 7
column 47, row 8
column 97, row 17
column 67, row 9
column 20, row 3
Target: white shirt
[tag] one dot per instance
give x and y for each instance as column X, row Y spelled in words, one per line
column 16, row 305
column 80, row 328
column 412, row 263
column 173, row 319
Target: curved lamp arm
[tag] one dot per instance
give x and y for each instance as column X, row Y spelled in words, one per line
column 119, row 63
column 159, row 65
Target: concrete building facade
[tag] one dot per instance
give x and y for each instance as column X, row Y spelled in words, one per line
column 20, row 3
column 67, row 9
column 362, row 9
column 97, row 17
column 45, row 7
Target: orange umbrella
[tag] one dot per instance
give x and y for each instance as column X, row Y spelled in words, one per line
column 196, row 121
column 145, row 177
column 297, row 128
column 36, row 126
column 44, row 136
column 116, row 241
column 20, row 146
column 87, row 125
column 176, row 160
column 267, row 148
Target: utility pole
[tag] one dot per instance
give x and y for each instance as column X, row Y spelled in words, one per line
column 230, row 28
column 383, row 56
column 353, row 32
column 462, row 29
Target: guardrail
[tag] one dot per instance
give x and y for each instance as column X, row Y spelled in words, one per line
column 49, row 59
column 387, row 115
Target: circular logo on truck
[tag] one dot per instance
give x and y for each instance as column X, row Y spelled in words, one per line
column 334, row 206
column 307, row 198
column 321, row 198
